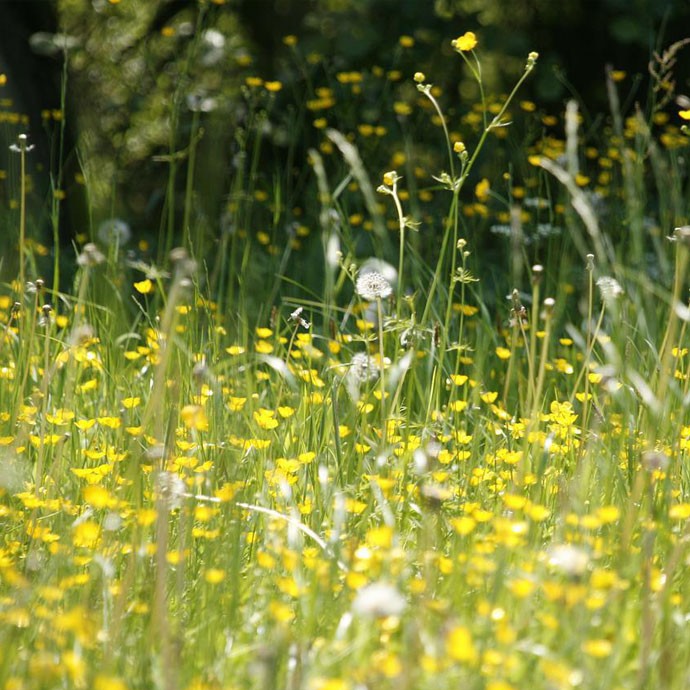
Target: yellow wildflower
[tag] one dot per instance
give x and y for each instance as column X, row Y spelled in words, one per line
column 466, row 42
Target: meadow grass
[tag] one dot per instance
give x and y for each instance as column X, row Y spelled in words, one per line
column 396, row 480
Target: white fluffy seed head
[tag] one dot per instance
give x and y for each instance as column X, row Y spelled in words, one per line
column 373, row 285
column 609, row 288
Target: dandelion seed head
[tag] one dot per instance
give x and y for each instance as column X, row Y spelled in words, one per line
column 184, row 265
column 50, row 45
column 201, row 372
column 362, row 368
column 114, row 231
column 297, row 316
column 112, row 522
column 609, row 288
column 569, row 559
column 22, row 145
column 200, row 103
column 82, row 335
column 90, row 256
column 171, row 489
column 323, row 476
column 373, row 285
column 378, row 600
column 213, row 47
column 681, row 234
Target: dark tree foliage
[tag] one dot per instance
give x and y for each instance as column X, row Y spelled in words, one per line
column 110, row 107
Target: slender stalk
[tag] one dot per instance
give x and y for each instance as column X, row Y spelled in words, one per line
column 536, row 399
column 382, row 379
column 401, row 252
column 194, row 137
column 55, row 203
column 665, row 350
column 426, row 90
column 455, row 185
column 22, row 147
column 539, row 386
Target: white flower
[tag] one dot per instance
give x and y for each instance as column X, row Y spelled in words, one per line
column 373, row 285
column 114, row 231
column 297, row 316
column 199, row 103
column 363, row 368
column 90, row 256
column 213, row 47
column 569, row 559
column 213, row 38
column 378, row 600
column 681, row 234
column 610, row 288
column 171, row 489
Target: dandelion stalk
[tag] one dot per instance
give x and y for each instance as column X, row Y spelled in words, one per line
column 549, row 304
column 382, row 378
column 22, row 147
column 26, row 317
column 519, row 316
column 22, row 211
column 55, row 204
column 372, row 286
column 48, row 371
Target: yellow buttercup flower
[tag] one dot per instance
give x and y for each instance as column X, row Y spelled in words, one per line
column 482, row 189
column 144, row 286
column 466, row 42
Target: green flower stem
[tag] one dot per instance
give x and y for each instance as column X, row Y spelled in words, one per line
column 22, row 147
column 401, row 253
column 382, row 380
column 457, row 184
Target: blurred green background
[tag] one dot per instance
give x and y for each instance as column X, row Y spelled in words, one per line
column 247, row 87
